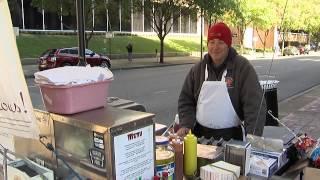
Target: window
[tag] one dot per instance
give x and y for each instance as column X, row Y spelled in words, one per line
column 64, row 51
column 49, row 52
column 73, row 51
column 88, row 52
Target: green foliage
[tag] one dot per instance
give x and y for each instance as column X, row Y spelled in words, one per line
column 214, row 9
column 68, row 8
column 162, row 13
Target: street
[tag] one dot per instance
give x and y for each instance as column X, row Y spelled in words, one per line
column 158, row 88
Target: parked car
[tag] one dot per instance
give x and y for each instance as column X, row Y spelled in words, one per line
column 290, row 50
column 313, row 47
column 53, row 58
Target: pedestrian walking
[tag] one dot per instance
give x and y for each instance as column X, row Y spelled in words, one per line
column 129, row 49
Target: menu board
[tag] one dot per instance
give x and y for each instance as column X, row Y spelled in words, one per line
column 134, row 154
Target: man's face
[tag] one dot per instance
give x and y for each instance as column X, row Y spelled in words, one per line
column 218, row 50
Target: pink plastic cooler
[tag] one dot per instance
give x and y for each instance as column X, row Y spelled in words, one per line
column 76, row 98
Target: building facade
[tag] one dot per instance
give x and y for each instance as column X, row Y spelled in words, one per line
column 119, row 18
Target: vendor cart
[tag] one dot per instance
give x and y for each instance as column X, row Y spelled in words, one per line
column 105, row 143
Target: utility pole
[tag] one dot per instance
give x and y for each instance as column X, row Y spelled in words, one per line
column 81, row 33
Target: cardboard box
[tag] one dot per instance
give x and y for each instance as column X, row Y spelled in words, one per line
column 281, row 158
column 74, row 98
column 262, row 166
column 220, row 170
column 311, row 173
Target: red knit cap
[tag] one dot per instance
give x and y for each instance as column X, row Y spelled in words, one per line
column 220, row 31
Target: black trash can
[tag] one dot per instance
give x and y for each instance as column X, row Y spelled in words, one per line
column 270, row 95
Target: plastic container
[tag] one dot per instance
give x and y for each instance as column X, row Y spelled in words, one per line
column 76, row 98
column 164, row 158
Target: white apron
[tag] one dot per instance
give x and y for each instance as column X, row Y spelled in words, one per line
column 214, row 106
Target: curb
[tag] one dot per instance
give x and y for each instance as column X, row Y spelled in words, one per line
column 152, row 66
column 129, row 68
column 29, row 61
column 299, row 94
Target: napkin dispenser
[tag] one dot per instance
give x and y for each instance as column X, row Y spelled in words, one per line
column 238, row 153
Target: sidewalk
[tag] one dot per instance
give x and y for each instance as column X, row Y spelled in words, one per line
column 302, row 112
column 120, row 64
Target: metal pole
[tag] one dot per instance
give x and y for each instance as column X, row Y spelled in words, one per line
column 5, row 171
column 43, row 21
column 107, row 20
column 189, row 24
column 180, row 19
column 131, row 14
column 61, row 20
column 22, row 12
column 110, row 47
column 153, row 14
column 81, row 32
column 93, row 13
column 143, row 16
column 120, row 11
column 107, row 15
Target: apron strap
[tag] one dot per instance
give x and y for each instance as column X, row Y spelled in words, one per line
column 223, row 78
column 206, row 73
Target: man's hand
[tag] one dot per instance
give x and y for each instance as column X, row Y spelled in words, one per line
column 183, row 132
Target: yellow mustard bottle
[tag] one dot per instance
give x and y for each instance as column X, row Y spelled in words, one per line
column 190, row 154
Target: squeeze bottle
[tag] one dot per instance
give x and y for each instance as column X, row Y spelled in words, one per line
column 190, row 154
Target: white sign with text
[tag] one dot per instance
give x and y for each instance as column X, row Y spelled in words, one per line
column 134, row 154
column 16, row 112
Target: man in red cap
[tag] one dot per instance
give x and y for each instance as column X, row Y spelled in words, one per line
column 221, row 96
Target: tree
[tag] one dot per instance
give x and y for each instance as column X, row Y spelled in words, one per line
column 264, row 19
column 214, row 9
column 241, row 17
column 255, row 13
column 68, row 8
column 310, row 19
column 161, row 15
column 15, row 7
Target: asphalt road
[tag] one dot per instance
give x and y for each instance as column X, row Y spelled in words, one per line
column 158, row 88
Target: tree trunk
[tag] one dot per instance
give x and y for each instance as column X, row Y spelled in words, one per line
column 87, row 42
column 264, row 46
column 282, row 46
column 266, row 34
column 161, row 50
column 241, row 39
column 89, row 38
